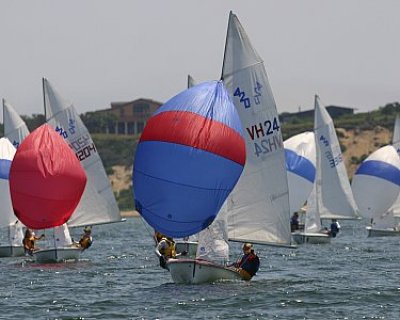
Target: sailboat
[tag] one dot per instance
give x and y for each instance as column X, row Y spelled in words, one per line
column 331, row 196
column 380, row 171
column 257, row 210
column 98, row 204
column 15, row 130
column 12, row 245
column 46, row 180
column 388, row 224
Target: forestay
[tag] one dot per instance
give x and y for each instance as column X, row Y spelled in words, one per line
column 300, row 157
column 333, row 189
column 15, row 128
column 258, row 207
column 98, row 204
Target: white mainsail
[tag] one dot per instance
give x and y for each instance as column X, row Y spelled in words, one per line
column 15, row 128
column 258, row 207
column 98, row 204
column 333, row 191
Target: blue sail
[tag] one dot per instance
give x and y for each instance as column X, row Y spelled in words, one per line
column 189, row 158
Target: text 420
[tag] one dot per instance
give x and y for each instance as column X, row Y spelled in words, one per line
column 86, row 152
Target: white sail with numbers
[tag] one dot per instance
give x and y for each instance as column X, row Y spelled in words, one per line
column 258, row 208
column 98, row 204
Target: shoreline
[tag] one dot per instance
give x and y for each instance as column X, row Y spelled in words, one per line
column 129, row 214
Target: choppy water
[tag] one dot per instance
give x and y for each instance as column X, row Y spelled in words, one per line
column 354, row 277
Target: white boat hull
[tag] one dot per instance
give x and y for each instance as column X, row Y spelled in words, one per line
column 190, row 247
column 372, row 232
column 191, row 271
column 57, row 254
column 11, row 251
column 311, row 238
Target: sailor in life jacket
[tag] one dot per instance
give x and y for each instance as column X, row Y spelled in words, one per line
column 335, row 227
column 86, row 240
column 249, row 263
column 29, row 241
column 165, row 249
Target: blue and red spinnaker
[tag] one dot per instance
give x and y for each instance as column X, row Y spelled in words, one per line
column 189, row 158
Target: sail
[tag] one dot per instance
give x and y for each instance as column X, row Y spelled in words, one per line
column 258, row 207
column 213, row 243
column 7, row 152
column 46, row 180
column 377, row 173
column 313, row 219
column 189, row 157
column 300, row 157
column 98, row 204
column 15, row 128
column 335, row 193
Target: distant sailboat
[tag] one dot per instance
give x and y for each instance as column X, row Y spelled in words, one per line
column 15, row 130
column 331, row 197
column 11, row 240
column 380, row 171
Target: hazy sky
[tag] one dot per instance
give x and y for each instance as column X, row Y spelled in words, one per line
column 96, row 51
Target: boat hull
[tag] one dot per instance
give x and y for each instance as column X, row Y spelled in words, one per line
column 311, row 238
column 11, row 251
column 372, row 232
column 57, row 254
column 191, row 271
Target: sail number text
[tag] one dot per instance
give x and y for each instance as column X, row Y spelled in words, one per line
column 245, row 100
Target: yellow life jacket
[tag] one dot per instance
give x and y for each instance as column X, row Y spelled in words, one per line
column 169, row 251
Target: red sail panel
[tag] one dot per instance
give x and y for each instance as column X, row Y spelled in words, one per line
column 46, row 180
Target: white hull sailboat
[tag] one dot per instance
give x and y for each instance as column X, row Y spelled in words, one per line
column 257, row 209
column 380, row 171
column 98, row 204
column 331, row 196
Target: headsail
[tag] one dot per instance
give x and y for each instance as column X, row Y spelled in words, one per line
column 300, row 157
column 46, row 180
column 333, row 186
column 258, row 207
column 15, row 128
column 7, row 152
column 190, row 156
column 395, row 209
column 98, row 204
column 380, row 171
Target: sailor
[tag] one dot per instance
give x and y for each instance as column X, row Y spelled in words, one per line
column 165, row 249
column 249, row 263
column 86, row 240
column 335, row 227
column 29, row 241
column 294, row 222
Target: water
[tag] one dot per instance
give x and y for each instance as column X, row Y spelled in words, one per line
column 354, row 277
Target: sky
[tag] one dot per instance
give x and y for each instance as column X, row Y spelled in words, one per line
column 95, row 51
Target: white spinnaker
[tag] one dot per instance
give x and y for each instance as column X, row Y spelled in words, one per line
column 258, row 206
column 7, row 152
column 15, row 128
column 302, row 159
column 212, row 243
column 98, row 204
column 335, row 195
column 376, row 184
